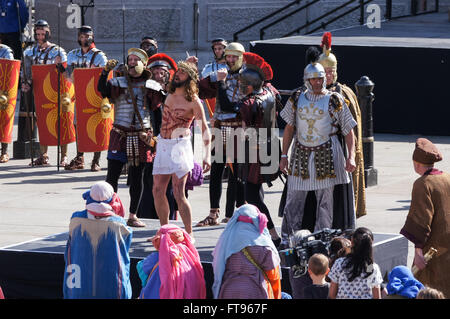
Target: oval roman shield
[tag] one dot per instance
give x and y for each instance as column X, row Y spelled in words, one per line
column 45, row 90
column 95, row 114
column 9, row 80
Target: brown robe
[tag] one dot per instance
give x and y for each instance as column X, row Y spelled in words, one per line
column 359, row 187
column 428, row 225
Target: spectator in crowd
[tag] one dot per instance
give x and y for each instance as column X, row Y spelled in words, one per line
column 339, row 247
column 402, row 284
column 430, row 293
column 356, row 276
column 246, row 262
column 175, row 270
column 318, row 270
column 96, row 256
column 428, row 220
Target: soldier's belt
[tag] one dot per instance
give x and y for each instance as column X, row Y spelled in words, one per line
column 230, row 124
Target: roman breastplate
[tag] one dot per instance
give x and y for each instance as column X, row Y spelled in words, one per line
column 313, row 121
column 233, row 95
column 124, row 113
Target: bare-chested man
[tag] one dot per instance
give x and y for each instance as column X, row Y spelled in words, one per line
column 174, row 156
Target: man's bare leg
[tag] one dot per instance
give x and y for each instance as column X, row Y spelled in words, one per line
column 160, row 183
column 184, row 207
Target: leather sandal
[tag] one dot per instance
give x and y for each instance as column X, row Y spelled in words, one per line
column 95, row 167
column 76, row 163
column 135, row 222
column 40, row 161
column 211, row 220
column 64, row 162
column 4, row 158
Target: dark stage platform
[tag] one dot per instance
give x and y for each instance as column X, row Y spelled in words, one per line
column 410, row 76
column 35, row 269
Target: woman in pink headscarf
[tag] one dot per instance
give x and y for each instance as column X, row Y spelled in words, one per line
column 175, row 269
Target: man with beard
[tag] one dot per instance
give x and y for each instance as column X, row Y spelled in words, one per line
column 43, row 52
column 317, row 163
column 131, row 139
column 87, row 56
column 226, row 121
column 149, row 45
column 174, row 156
column 5, row 53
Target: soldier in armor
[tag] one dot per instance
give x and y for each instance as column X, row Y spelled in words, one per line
column 257, row 110
column 87, row 56
column 43, row 52
column 218, row 47
column 317, row 163
column 5, row 53
column 149, row 45
column 329, row 62
column 131, row 139
column 226, row 121
column 162, row 68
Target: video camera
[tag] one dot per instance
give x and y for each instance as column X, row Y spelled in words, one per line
column 301, row 250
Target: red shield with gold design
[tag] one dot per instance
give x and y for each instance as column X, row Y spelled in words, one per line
column 95, row 114
column 45, row 89
column 9, row 80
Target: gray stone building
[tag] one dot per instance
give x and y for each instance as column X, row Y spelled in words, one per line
column 190, row 25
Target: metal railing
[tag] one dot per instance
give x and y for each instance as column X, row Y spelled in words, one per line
column 361, row 4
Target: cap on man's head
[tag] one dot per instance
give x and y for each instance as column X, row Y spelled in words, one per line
column 141, row 54
column 426, row 152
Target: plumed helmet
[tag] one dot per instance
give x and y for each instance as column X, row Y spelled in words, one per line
column 313, row 68
column 256, row 71
column 164, row 61
column 328, row 59
column 236, row 49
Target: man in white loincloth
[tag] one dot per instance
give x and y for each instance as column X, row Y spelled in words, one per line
column 174, row 155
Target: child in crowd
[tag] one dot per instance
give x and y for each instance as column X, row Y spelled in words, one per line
column 430, row 293
column 356, row 276
column 402, row 284
column 318, row 270
column 175, row 270
column 339, row 247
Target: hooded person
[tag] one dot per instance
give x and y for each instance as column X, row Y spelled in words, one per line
column 175, row 270
column 246, row 263
column 97, row 261
column 402, row 283
column 426, row 225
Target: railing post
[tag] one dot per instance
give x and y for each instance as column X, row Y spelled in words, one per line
column 413, row 7
column 361, row 9
column 364, row 88
column 388, row 9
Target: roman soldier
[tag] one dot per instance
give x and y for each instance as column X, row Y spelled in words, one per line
column 314, row 118
column 86, row 56
column 43, row 52
column 257, row 111
column 132, row 140
column 329, row 62
column 5, row 53
column 162, row 68
column 226, row 121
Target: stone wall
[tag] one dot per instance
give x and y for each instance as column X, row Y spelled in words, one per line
column 172, row 22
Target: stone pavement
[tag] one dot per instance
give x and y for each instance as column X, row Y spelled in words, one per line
column 38, row 202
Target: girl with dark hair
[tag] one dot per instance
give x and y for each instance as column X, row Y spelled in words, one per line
column 356, row 276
